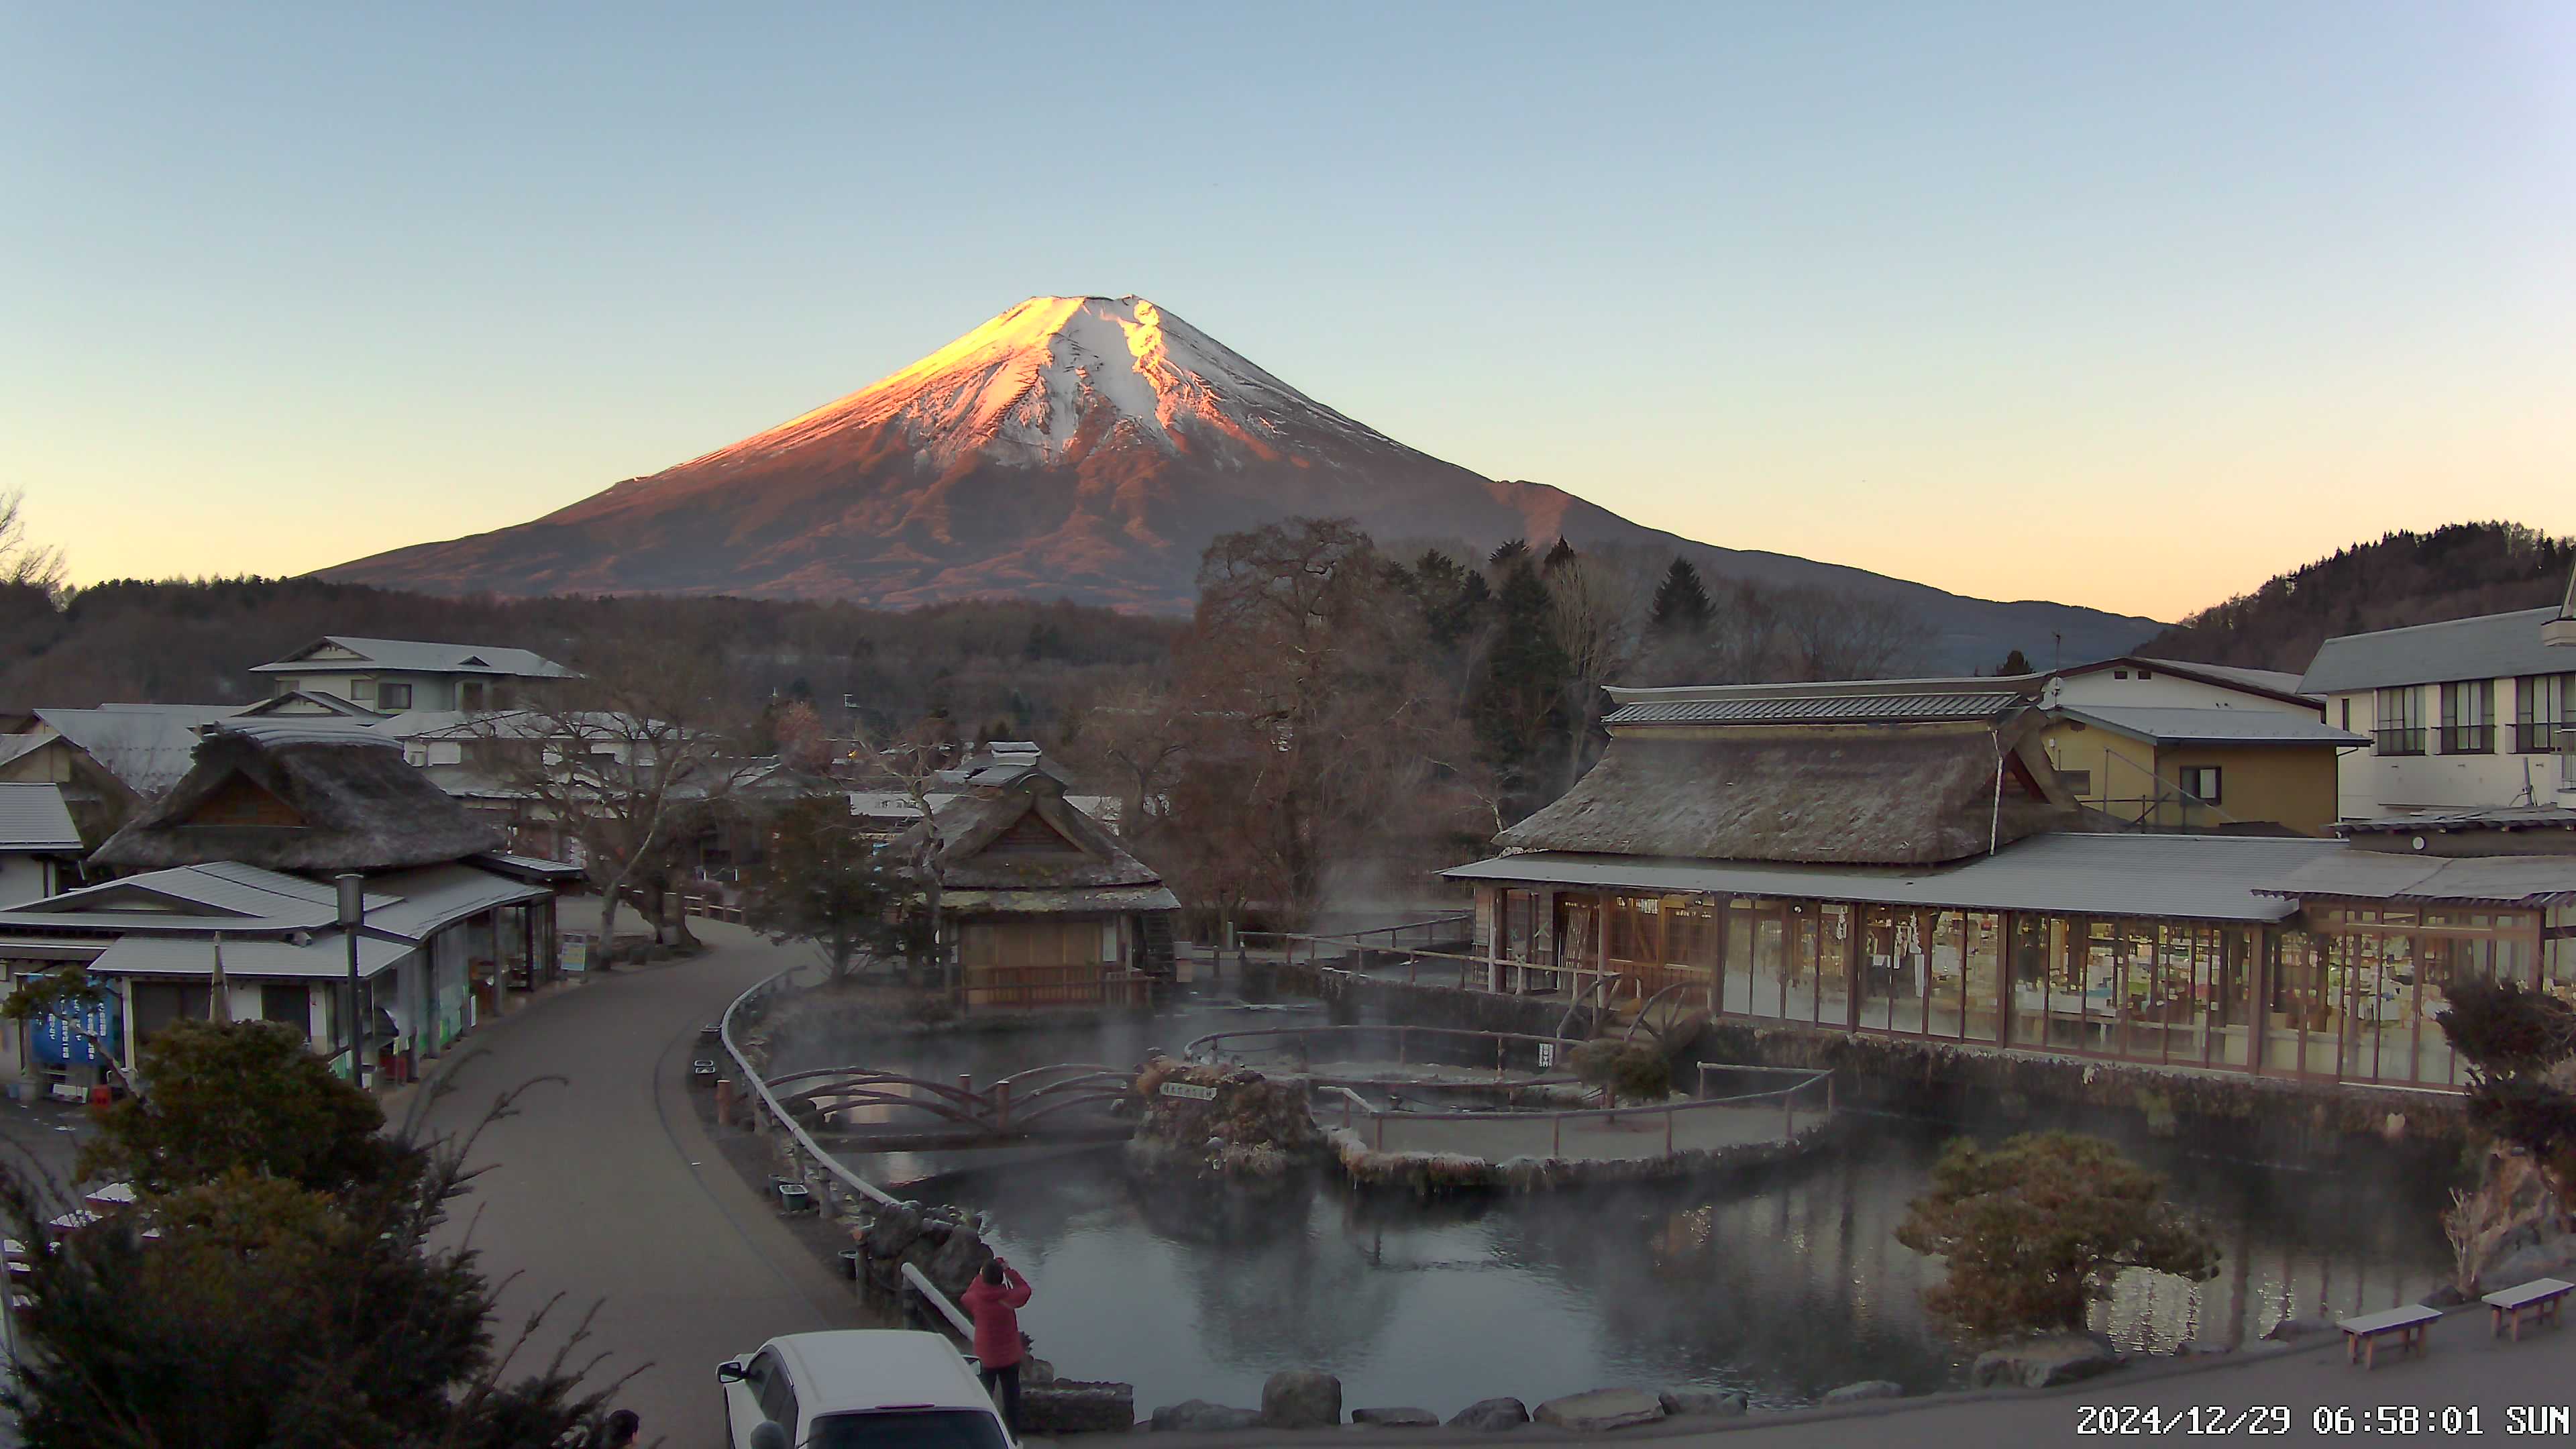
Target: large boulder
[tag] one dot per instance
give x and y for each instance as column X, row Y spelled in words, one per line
column 1490, row 1415
column 1722, row 1403
column 2043, row 1363
column 1252, row 1130
column 1072, row 1406
column 1397, row 1418
column 1195, row 1415
column 1301, row 1399
column 1601, row 1409
column 1865, row 1390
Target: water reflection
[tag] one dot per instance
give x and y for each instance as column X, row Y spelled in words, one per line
column 1782, row 1283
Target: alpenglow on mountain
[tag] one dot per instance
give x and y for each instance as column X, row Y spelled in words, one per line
column 1085, row 448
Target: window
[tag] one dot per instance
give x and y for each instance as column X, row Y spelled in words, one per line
column 391, row 696
column 2077, row 782
column 2119, row 674
column 2200, row 782
column 469, row 695
column 2544, row 712
column 2346, row 702
column 2468, row 717
column 362, row 690
column 910, row 1429
column 2398, row 722
column 767, row 1379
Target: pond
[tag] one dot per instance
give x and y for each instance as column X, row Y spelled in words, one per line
column 1782, row 1282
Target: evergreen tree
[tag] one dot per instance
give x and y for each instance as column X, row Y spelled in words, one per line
column 1682, row 607
column 2015, row 663
column 1517, row 707
column 1510, row 552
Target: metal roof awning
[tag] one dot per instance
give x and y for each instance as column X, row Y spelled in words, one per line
column 1820, row 709
column 2530, row 882
column 2180, row 877
column 327, row 957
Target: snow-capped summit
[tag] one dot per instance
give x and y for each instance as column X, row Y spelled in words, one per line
column 1083, row 448
column 1057, row 375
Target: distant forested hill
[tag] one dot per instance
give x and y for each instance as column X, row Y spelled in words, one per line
column 987, row 662
column 2453, row 572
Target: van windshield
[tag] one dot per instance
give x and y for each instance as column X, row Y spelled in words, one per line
column 909, row 1429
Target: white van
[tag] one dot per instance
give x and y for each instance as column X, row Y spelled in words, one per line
column 861, row 1389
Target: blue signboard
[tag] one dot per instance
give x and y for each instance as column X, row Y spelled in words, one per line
column 59, row 1042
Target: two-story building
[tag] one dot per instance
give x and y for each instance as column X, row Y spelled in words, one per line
column 391, row 676
column 2163, row 744
column 2467, row 714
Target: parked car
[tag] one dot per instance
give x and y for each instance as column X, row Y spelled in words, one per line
column 860, row 1389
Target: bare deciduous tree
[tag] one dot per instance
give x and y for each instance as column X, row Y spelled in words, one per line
column 623, row 758
column 23, row 562
column 1595, row 609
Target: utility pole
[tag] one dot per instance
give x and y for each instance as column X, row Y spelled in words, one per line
column 353, row 914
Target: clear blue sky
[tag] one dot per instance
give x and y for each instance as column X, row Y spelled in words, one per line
column 2127, row 306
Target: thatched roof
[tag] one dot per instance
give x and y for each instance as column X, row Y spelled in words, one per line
column 1852, row 795
column 1022, row 836
column 300, row 801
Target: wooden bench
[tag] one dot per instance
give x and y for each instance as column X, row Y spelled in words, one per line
column 2361, row 1335
column 2540, row 1298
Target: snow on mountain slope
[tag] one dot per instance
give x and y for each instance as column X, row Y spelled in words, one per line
column 1022, row 388
column 1085, row 448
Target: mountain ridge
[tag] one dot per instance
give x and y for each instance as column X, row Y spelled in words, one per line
column 1086, row 448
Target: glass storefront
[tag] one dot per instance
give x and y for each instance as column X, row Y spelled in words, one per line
column 2349, row 992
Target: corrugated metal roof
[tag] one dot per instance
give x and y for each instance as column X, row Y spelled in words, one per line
column 2177, row 725
column 2490, row 646
column 234, row 897
column 1818, row 709
column 326, row 957
column 2502, row 817
column 2506, row 880
column 2180, row 877
column 419, row 655
column 439, row 895
column 33, row 818
column 307, row 730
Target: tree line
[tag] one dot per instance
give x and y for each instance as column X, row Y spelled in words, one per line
column 2400, row 579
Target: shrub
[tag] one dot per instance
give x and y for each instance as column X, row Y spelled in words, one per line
column 2037, row 1229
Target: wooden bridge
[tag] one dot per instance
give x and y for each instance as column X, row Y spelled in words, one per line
column 868, row 1110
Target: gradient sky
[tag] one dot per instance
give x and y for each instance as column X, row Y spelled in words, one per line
column 2129, row 306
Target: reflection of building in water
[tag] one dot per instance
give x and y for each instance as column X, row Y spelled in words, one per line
column 1901, row 858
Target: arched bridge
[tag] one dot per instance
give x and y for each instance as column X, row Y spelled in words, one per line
column 878, row 1111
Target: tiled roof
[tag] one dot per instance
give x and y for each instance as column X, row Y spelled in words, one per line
column 419, row 656
column 1820, row 709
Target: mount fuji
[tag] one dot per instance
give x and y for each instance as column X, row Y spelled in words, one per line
column 1085, row 448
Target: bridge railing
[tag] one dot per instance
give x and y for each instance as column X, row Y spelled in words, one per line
column 1503, row 1051
column 805, row 1153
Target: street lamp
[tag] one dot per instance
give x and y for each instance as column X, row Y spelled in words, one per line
column 353, row 914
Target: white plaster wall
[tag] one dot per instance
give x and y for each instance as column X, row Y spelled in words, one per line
column 2165, row 691
column 23, row 878
column 2368, row 784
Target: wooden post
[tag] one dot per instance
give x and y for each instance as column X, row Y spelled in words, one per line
column 724, row 1101
column 1002, row 1104
column 1668, row 1130
column 1379, row 1118
column 1556, row 1134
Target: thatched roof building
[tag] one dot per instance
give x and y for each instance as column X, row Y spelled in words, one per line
column 1873, row 794
column 307, row 796
column 1018, row 835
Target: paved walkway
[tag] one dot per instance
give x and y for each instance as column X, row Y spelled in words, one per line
column 605, row 1186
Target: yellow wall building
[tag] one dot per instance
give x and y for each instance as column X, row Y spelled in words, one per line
column 2199, row 769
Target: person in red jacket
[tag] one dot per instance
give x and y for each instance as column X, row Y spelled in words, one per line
column 994, row 1301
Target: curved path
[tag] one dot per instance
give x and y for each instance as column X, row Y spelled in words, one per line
column 606, row 1188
